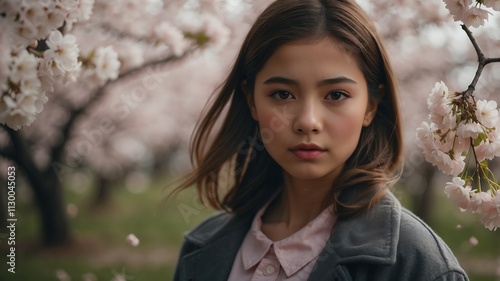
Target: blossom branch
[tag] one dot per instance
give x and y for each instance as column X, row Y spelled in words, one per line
column 68, row 127
column 462, row 128
column 482, row 61
column 106, row 27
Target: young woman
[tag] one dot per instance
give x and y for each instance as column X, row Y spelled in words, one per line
column 305, row 156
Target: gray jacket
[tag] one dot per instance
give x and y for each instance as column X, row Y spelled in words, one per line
column 387, row 243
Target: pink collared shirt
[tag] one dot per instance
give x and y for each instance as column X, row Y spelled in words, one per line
column 291, row 258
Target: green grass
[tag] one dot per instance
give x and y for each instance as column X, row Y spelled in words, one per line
column 35, row 269
column 480, row 261
column 99, row 235
column 99, row 245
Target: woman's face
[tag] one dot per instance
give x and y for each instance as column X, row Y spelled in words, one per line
column 311, row 101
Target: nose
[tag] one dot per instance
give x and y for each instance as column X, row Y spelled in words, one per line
column 308, row 119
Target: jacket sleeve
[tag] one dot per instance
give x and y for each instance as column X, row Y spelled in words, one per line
column 452, row 276
column 422, row 252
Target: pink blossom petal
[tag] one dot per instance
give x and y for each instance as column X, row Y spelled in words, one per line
column 132, row 240
column 473, row 241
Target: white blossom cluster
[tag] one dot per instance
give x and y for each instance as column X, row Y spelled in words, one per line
column 461, row 129
column 471, row 13
column 35, row 55
column 40, row 46
column 206, row 30
column 487, row 204
column 210, row 26
column 101, row 65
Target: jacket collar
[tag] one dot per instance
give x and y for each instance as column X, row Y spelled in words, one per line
column 368, row 238
column 217, row 227
column 216, row 241
column 371, row 237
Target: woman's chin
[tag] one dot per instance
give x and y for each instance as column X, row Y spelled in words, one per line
column 307, row 175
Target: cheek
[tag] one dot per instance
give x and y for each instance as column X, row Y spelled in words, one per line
column 346, row 127
column 273, row 129
column 353, row 117
column 273, row 119
column 264, row 117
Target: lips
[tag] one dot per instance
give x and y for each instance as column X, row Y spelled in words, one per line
column 307, row 151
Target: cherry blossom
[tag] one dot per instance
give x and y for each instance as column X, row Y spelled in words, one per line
column 172, row 36
column 62, row 275
column 89, row 277
column 480, row 201
column 494, row 4
column 475, row 17
column 457, row 8
column 474, row 133
column 463, row 133
column 5, row 59
column 217, row 32
column 24, row 66
column 471, row 13
column 103, row 65
column 487, row 150
column 132, row 240
column 459, row 194
column 491, row 213
column 469, row 130
column 81, row 11
column 20, row 109
column 60, row 58
column 428, row 141
column 62, row 55
column 487, row 113
column 473, row 241
column 439, row 101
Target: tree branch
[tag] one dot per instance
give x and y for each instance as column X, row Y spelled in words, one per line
column 122, row 34
column 67, row 128
column 473, row 40
column 482, row 62
column 491, row 60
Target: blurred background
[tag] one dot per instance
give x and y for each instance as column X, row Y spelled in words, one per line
column 94, row 166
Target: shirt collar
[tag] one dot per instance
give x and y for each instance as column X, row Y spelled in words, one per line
column 293, row 252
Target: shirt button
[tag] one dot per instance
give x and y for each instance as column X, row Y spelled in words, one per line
column 270, row 269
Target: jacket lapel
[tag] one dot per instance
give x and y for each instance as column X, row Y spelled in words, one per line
column 214, row 258
column 367, row 238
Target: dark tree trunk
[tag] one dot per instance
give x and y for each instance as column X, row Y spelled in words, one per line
column 423, row 202
column 47, row 192
column 3, row 204
column 50, row 201
column 103, row 191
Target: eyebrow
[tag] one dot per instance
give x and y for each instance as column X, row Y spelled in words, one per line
column 288, row 81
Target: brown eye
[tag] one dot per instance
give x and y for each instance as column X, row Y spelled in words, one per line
column 336, row 95
column 282, row 95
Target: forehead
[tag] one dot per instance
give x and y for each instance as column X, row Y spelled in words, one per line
column 321, row 57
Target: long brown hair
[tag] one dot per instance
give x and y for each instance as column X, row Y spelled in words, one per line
column 236, row 156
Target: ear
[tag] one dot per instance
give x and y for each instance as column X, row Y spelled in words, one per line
column 371, row 110
column 250, row 99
